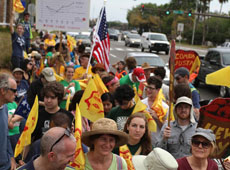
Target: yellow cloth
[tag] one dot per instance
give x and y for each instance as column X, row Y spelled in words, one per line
column 31, row 122
column 100, row 85
column 18, row 6
column 91, row 105
column 124, row 152
column 62, row 71
column 220, row 77
column 49, row 42
column 79, row 157
column 141, row 107
column 80, row 71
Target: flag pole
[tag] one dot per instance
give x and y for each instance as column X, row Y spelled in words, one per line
column 96, row 30
column 171, row 82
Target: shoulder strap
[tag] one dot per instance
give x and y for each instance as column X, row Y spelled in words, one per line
column 119, row 162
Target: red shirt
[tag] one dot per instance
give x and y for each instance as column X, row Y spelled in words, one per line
column 184, row 165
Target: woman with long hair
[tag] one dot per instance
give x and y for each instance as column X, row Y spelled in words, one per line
column 202, row 148
column 139, row 142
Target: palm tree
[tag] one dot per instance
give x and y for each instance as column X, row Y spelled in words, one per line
column 222, row 2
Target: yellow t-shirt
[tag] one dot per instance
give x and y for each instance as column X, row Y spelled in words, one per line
column 80, row 71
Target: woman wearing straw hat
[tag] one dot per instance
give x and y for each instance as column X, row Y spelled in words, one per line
column 102, row 139
column 203, row 146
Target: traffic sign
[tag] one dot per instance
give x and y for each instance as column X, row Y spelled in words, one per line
column 180, row 27
column 178, row 12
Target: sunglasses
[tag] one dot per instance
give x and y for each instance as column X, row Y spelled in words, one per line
column 66, row 133
column 11, row 89
column 197, row 143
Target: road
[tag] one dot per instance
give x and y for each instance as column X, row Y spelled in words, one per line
column 118, row 51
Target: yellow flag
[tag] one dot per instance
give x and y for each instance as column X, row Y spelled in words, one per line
column 220, row 77
column 100, row 85
column 71, row 42
column 58, row 78
column 79, row 158
column 157, row 106
column 31, row 122
column 125, row 153
column 91, row 105
column 141, row 107
column 67, row 102
column 18, row 6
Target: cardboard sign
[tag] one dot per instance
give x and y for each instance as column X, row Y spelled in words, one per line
column 187, row 59
column 216, row 116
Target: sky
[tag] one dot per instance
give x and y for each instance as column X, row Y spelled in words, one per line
column 117, row 9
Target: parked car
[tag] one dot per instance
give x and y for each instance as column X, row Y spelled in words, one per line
column 153, row 60
column 113, row 34
column 133, row 40
column 214, row 60
column 154, row 42
column 225, row 44
column 84, row 37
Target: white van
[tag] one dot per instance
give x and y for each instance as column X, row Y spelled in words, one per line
column 154, row 42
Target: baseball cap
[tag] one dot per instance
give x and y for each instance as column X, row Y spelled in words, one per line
column 206, row 133
column 182, row 71
column 140, row 74
column 183, row 99
column 18, row 69
column 48, row 74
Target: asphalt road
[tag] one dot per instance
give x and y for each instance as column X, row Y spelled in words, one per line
column 118, row 51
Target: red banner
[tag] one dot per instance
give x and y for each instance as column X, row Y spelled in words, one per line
column 187, row 59
column 216, row 116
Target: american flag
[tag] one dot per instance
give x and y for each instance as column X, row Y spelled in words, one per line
column 101, row 41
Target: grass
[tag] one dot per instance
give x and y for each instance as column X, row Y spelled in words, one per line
column 5, row 48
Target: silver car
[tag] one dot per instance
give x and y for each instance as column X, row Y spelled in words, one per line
column 133, row 40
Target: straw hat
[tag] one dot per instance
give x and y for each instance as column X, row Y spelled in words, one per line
column 147, row 66
column 105, row 126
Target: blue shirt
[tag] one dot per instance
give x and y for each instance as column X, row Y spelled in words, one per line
column 18, row 45
column 5, row 146
column 195, row 96
column 22, row 89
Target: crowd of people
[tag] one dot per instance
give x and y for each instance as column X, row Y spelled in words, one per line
column 52, row 73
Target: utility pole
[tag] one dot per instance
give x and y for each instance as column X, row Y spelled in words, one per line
column 194, row 24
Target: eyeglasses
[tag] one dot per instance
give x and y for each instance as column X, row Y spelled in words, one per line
column 197, row 143
column 11, row 89
column 150, row 88
column 67, row 133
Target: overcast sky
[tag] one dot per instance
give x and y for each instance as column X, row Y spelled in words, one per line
column 117, row 9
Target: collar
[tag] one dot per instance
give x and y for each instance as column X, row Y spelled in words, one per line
column 130, row 77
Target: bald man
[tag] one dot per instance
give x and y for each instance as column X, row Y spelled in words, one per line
column 57, row 151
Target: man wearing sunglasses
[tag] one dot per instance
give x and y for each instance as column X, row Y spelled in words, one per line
column 57, row 151
column 176, row 137
column 182, row 76
column 8, row 91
